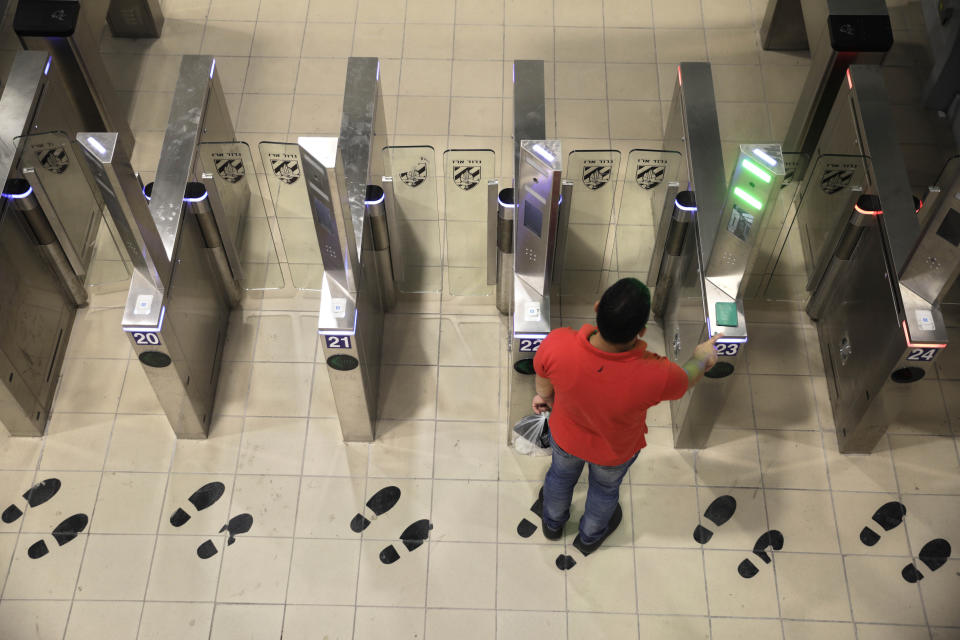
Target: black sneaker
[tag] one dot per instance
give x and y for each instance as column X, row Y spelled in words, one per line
column 551, row 534
column 587, row 549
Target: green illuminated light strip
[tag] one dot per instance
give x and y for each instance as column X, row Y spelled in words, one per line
column 755, row 170
column 746, row 197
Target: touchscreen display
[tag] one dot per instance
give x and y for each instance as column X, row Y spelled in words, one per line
column 533, row 216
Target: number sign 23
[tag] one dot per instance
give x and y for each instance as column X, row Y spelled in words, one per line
column 728, row 349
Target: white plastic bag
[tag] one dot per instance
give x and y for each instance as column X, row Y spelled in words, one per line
column 533, row 435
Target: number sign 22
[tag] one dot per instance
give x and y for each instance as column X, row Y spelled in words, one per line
column 529, row 345
column 926, row 355
column 728, row 349
column 338, row 342
column 146, row 338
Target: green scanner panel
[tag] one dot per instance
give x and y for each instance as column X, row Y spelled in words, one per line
column 726, row 314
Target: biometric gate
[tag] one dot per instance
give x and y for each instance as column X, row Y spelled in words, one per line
column 706, row 234
column 877, row 274
column 536, row 212
column 350, row 223
column 49, row 223
column 196, row 247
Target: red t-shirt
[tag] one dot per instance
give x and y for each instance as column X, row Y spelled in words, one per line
column 601, row 399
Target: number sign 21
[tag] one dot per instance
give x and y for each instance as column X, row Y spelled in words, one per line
column 338, row 342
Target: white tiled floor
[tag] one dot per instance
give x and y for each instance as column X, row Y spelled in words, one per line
column 275, row 443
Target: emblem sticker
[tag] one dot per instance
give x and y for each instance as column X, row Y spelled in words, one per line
column 466, row 174
column 834, row 179
column 415, row 176
column 650, row 173
column 230, row 169
column 286, row 169
column 53, row 158
column 596, row 173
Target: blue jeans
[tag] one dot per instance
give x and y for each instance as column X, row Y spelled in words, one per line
column 603, row 493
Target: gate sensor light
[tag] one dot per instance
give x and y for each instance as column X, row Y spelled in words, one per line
column 766, row 157
column 746, row 197
column 920, row 345
column 755, row 170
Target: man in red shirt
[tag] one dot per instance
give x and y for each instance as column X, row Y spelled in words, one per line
column 598, row 383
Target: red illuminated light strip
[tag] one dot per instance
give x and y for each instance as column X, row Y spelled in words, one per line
column 920, row 345
column 849, row 79
column 680, row 76
column 856, row 207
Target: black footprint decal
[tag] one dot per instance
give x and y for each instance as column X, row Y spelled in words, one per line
column 412, row 537
column 526, row 528
column 934, row 554
column 237, row 525
column 887, row 516
column 719, row 511
column 201, row 499
column 63, row 533
column 35, row 496
column 565, row 562
column 772, row 539
column 381, row 502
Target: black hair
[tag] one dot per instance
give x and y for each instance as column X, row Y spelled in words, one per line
column 623, row 311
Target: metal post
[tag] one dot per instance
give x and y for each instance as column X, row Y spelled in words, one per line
column 377, row 215
column 505, row 214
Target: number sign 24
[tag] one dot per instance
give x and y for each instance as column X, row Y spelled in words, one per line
column 925, row 355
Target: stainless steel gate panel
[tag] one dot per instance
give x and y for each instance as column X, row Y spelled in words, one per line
column 411, row 194
column 337, row 172
column 470, row 201
column 36, row 314
column 585, row 235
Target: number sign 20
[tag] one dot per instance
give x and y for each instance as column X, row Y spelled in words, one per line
column 728, row 349
column 146, row 338
column 338, row 342
column 530, row 345
column 925, row 355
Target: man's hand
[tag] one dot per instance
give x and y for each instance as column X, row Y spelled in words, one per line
column 706, row 352
column 541, row 404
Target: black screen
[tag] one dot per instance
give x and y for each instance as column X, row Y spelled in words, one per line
column 950, row 228
column 533, row 216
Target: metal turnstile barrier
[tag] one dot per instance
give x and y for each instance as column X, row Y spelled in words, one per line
column 534, row 210
column 840, row 33
column 49, row 223
column 705, row 243
column 196, row 247
column 59, row 28
column 877, row 273
column 350, row 221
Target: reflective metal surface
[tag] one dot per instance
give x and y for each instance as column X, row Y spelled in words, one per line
column 36, row 313
column 470, row 219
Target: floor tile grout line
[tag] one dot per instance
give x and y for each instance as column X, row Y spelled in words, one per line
column 233, row 488
column 295, row 317
column 906, row 531
column 93, row 510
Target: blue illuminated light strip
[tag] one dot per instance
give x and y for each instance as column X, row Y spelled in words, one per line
column 341, row 332
column 682, row 207
column 46, row 69
column 163, row 312
column 198, row 198
column 505, row 205
column 213, row 65
column 533, row 336
column 383, row 197
column 732, row 340
column 18, row 196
